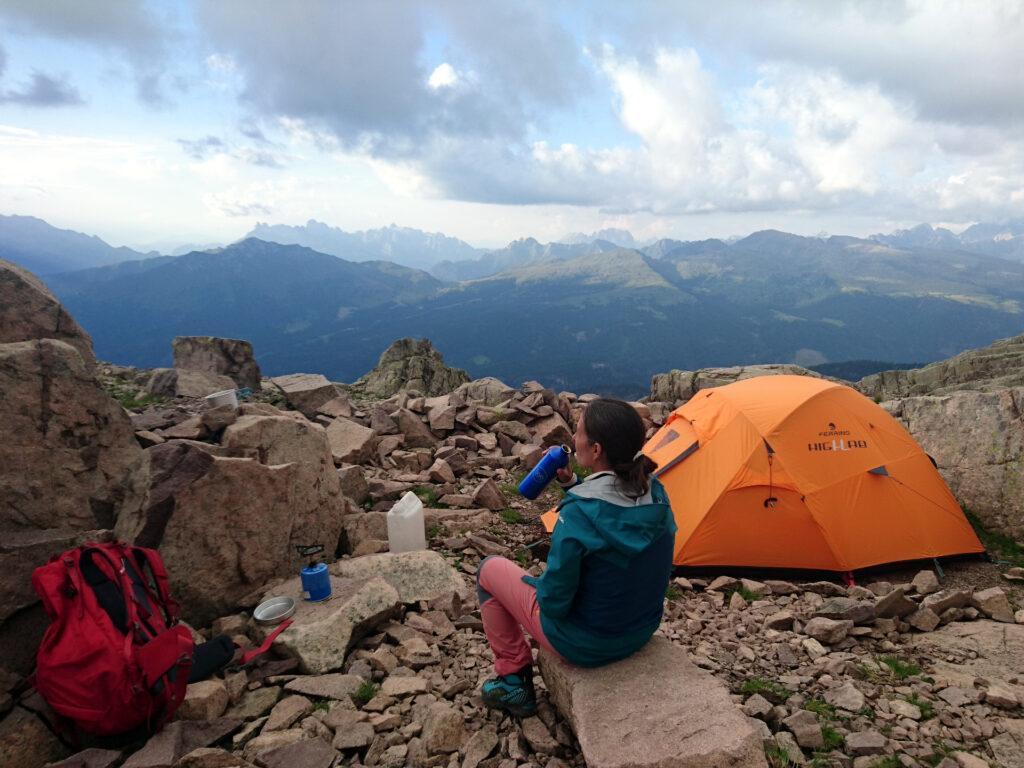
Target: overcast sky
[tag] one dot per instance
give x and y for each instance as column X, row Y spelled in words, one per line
column 161, row 123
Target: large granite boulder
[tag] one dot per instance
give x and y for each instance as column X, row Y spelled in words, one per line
column 69, row 455
column 350, row 441
column 306, row 392
column 178, row 382
column 29, row 311
column 653, row 709
column 677, row 387
column 997, row 366
column 410, row 364
column 977, row 441
column 487, row 391
column 26, row 742
column 227, row 357
column 227, row 524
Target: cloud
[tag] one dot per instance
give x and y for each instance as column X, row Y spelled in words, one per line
column 137, row 31
column 952, row 61
column 200, row 149
column 41, row 91
column 358, row 70
column 795, row 140
column 44, row 91
column 210, row 146
column 262, row 198
column 444, row 76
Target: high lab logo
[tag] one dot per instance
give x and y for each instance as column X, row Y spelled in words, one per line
column 836, row 439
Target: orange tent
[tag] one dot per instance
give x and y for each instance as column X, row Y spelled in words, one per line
column 798, row 472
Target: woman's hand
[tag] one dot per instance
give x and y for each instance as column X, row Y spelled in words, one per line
column 564, row 474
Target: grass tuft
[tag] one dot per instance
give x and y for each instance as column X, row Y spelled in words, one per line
column 777, row 757
column 129, row 401
column 749, row 595
column 428, row 495
column 673, row 593
column 926, row 707
column 767, row 688
column 1000, row 547
column 821, row 709
column 833, row 738
column 523, row 556
column 511, row 516
column 900, row 669
column 364, row 693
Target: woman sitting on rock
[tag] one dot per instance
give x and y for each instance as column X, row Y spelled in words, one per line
column 601, row 597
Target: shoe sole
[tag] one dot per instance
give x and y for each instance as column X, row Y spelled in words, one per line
column 518, row 710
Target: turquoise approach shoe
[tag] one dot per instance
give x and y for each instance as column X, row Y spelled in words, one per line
column 514, row 693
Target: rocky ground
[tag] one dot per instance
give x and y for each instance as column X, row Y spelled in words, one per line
column 879, row 674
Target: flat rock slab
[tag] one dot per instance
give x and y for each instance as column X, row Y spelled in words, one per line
column 422, row 575
column 1008, row 747
column 653, row 709
column 308, row 753
column 178, row 739
column 332, row 686
column 90, row 758
column 999, row 648
column 322, row 633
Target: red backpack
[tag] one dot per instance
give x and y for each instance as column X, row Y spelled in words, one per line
column 114, row 656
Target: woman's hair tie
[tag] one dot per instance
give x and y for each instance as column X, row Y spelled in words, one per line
column 639, row 454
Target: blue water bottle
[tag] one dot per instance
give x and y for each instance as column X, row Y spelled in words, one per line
column 542, row 474
column 316, row 582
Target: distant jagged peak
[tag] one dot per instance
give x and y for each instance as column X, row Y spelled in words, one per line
column 620, row 237
column 409, row 364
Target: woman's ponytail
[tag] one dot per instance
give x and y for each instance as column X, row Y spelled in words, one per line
column 635, row 475
column 619, row 429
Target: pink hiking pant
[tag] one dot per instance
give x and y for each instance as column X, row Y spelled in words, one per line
column 506, row 604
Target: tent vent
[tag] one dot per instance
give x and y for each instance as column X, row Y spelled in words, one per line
column 668, row 438
column 879, row 471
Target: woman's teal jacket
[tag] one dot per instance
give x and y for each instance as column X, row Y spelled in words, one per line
column 602, row 594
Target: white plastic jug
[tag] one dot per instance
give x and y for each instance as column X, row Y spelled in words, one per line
column 224, row 397
column 405, row 524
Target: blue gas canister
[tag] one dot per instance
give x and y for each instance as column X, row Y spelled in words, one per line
column 316, row 582
column 542, row 474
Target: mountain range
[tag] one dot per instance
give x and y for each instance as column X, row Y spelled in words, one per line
column 402, row 245
column 585, row 317
column 46, row 250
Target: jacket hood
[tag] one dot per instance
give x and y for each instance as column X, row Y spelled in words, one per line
column 628, row 525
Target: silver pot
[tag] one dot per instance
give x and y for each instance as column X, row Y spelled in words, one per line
column 274, row 611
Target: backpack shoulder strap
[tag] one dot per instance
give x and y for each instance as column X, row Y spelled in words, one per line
column 151, row 558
